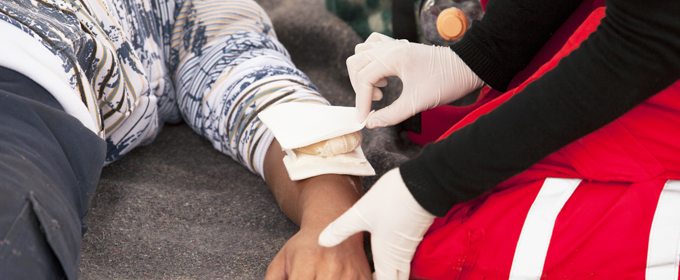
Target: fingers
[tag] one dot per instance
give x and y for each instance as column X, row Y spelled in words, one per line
column 386, row 272
column 381, row 83
column 377, row 94
column 369, row 67
column 372, row 41
column 343, row 227
column 398, row 275
column 364, row 93
column 403, row 275
column 393, row 114
column 361, row 47
column 341, row 271
column 387, row 267
column 277, row 268
column 382, row 273
column 378, row 37
column 365, row 83
column 303, row 273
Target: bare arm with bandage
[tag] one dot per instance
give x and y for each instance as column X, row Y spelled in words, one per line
column 313, row 203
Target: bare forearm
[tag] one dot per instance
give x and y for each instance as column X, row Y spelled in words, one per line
column 311, row 202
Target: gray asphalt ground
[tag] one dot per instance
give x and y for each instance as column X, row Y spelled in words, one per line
column 178, row 209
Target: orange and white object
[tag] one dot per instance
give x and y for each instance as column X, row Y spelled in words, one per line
column 452, row 24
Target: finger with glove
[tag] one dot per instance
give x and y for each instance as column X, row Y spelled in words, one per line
column 395, row 219
column 431, row 76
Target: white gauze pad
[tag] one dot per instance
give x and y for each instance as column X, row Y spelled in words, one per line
column 298, row 124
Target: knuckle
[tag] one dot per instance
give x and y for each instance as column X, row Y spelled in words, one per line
column 351, row 61
column 359, row 47
column 335, row 266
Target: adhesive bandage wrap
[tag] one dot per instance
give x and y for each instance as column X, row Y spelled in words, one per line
column 318, row 139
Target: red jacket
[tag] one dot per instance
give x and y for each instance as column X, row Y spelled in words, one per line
column 616, row 215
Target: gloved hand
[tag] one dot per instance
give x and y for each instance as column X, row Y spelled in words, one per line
column 431, row 76
column 396, row 221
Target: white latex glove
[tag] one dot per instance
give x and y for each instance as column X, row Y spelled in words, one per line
column 396, row 221
column 431, row 76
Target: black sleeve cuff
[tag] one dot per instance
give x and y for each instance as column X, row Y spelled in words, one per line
column 435, row 200
column 486, row 69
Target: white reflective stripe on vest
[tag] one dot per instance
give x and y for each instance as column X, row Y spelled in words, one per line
column 534, row 240
column 663, row 255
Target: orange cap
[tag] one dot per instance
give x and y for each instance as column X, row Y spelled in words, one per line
column 452, row 23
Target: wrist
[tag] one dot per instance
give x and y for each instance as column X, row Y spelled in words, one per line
column 466, row 78
column 326, row 197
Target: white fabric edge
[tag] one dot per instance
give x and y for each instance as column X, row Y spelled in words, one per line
column 663, row 252
column 273, row 118
column 534, row 240
column 302, row 169
column 26, row 55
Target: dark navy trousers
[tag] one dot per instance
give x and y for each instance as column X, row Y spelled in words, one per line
column 49, row 168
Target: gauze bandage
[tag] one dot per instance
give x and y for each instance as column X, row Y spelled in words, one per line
column 300, row 127
column 334, row 146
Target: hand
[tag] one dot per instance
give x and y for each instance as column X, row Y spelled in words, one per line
column 313, row 204
column 303, row 258
column 431, row 76
column 395, row 219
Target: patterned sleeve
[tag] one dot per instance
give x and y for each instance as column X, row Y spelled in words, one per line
column 131, row 65
column 227, row 66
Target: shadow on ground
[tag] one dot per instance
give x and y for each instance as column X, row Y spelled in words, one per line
column 178, row 209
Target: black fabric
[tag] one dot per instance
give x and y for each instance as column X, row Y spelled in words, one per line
column 404, row 24
column 633, row 54
column 413, row 124
column 49, row 169
column 509, row 35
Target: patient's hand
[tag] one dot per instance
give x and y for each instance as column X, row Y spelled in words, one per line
column 303, row 258
column 313, row 204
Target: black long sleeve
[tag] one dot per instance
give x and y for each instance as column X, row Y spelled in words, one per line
column 633, row 54
column 509, row 35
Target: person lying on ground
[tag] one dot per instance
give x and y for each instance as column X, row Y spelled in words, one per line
column 84, row 82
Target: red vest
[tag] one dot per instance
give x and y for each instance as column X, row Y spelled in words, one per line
column 616, row 217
